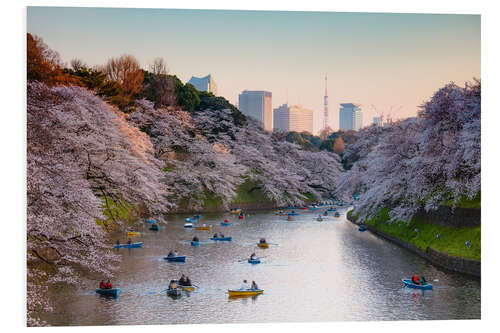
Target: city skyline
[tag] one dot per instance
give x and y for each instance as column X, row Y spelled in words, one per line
column 387, row 60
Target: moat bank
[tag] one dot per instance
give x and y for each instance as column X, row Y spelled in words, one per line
column 443, row 246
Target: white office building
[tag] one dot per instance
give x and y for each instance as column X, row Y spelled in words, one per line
column 206, row 83
column 350, row 117
column 293, row 118
column 257, row 104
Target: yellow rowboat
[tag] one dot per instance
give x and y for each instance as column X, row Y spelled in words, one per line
column 243, row 293
column 263, row 245
column 133, row 233
column 203, row 228
column 187, row 288
column 235, row 211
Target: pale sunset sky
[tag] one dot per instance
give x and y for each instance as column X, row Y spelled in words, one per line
column 375, row 59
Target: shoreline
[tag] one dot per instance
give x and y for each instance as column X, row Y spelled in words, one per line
column 440, row 259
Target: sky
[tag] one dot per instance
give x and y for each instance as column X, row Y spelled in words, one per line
column 388, row 63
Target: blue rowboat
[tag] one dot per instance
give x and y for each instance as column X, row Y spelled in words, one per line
column 177, row 258
column 151, row 221
column 108, row 292
column 188, row 219
column 154, row 227
column 197, row 216
column 409, row 284
column 293, row 214
column 332, row 209
column 362, row 228
column 117, row 246
column 193, row 243
column 253, row 261
column 225, row 224
column 222, row 239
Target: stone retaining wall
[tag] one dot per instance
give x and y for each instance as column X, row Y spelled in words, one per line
column 456, row 264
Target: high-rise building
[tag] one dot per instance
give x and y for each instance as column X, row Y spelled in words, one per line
column 257, row 104
column 377, row 121
column 293, row 118
column 350, row 117
column 206, row 83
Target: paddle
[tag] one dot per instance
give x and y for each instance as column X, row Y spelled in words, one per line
column 162, row 291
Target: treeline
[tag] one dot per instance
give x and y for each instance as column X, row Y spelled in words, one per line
column 121, row 81
column 327, row 140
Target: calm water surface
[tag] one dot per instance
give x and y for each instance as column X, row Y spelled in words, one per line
column 319, row 271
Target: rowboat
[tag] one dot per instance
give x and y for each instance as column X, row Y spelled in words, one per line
column 362, row 228
column 133, row 233
column 331, row 210
column 243, row 293
column 203, row 228
column 188, row 219
column 225, row 224
column 151, row 221
column 194, row 243
column 177, row 258
column 236, row 211
column 319, row 219
column 293, row 214
column 253, row 261
column 337, row 214
column 108, row 292
column 408, row 283
column 188, row 225
column 263, row 245
column 154, row 227
column 222, row 238
column 241, row 217
column 139, row 244
column 174, row 292
column 197, row 216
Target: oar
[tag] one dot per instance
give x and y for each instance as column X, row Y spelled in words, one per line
column 162, row 291
column 273, row 243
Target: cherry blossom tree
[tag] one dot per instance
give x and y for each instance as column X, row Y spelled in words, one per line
column 420, row 162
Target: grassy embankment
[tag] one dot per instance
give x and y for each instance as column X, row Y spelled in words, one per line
column 452, row 240
column 117, row 211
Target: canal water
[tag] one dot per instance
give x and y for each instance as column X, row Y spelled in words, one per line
column 318, row 271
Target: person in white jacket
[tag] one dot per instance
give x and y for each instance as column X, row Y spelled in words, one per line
column 244, row 285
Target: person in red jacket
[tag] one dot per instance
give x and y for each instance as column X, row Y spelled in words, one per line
column 109, row 285
column 415, row 279
column 102, row 285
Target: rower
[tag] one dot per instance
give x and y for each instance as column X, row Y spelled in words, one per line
column 253, row 256
column 254, row 286
column 262, row 241
column 102, row 285
column 195, row 239
column 129, row 241
column 170, row 254
column 182, row 280
column 215, row 235
column 244, row 285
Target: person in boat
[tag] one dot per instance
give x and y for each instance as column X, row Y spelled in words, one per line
column 216, row 235
column 244, row 285
column 254, row 286
column 170, row 254
column 262, row 241
column 129, row 241
column 102, row 285
column 188, row 282
column 182, row 280
column 172, row 285
column 423, row 281
column 221, row 235
column 415, row 279
column 117, row 242
column 226, row 221
column 253, row 256
column 176, row 254
column 108, row 285
column 195, row 239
